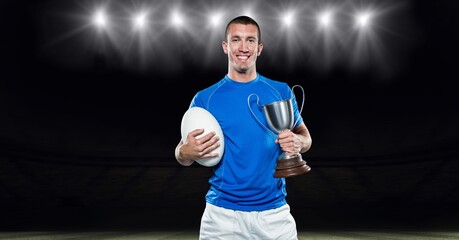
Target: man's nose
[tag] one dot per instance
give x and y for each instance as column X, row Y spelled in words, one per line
column 243, row 47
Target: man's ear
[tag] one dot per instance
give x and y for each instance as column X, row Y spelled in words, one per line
column 260, row 48
column 225, row 47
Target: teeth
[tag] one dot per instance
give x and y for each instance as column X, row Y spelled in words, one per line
column 242, row 57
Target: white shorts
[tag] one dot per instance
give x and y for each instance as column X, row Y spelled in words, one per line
column 224, row 224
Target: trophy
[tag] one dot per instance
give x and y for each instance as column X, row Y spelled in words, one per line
column 280, row 117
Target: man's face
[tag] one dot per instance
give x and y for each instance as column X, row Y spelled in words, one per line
column 242, row 47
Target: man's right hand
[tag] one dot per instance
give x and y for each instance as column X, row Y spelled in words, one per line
column 195, row 147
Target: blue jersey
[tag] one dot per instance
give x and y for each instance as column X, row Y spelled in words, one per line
column 243, row 179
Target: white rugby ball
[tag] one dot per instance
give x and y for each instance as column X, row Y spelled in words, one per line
column 200, row 118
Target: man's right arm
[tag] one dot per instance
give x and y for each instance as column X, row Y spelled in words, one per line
column 196, row 148
column 183, row 162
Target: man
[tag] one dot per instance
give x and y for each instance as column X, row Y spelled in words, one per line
column 244, row 201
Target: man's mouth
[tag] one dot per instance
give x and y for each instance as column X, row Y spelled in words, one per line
column 242, row 57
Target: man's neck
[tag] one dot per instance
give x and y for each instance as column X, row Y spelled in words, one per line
column 242, row 77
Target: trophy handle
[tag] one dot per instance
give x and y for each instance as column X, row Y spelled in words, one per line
column 258, row 99
column 302, row 102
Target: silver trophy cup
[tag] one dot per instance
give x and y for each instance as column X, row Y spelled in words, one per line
column 280, row 117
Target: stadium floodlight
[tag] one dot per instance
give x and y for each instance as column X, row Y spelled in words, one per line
column 363, row 19
column 177, row 19
column 140, row 20
column 215, row 19
column 100, row 19
column 288, row 18
column 325, row 19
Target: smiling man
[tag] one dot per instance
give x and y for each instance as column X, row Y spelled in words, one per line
column 242, row 47
column 245, row 200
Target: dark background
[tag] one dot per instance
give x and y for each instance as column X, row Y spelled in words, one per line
column 87, row 140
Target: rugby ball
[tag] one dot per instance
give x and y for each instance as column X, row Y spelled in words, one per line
column 197, row 117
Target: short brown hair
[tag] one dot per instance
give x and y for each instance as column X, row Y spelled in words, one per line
column 246, row 21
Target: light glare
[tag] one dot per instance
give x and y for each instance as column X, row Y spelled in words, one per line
column 325, row 19
column 177, row 19
column 215, row 19
column 140, row 20
column 363, row 19
column 332, row 31
column 100, row 19
column 288, row 19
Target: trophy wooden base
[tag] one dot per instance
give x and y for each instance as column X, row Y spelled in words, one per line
column 291, row 166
